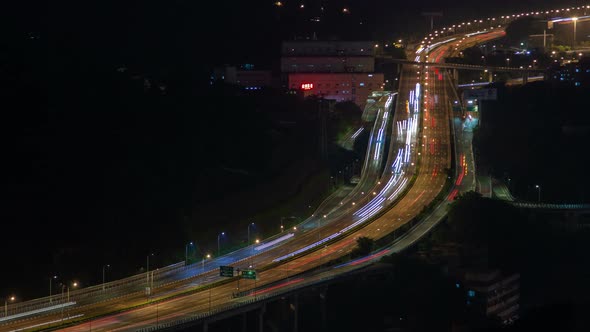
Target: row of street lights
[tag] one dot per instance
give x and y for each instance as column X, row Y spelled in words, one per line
column 64, row 288
column 107, row 266
column 6, row 300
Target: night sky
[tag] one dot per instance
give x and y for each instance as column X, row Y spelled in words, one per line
column 48, row 51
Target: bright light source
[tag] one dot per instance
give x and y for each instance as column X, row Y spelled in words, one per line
column 306, row 86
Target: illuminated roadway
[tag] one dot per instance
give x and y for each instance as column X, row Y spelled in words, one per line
column 434, row 150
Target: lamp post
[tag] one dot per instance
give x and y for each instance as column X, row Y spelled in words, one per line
column 507, row 62
column 147, row 270
column 6, row 300
column 538, row 192
column 250, row 224
column 50, row 286
column 103, row 274
column 218, row 244
column 208, row 256
column 186, row 252
column 74, row 284
column 575, row 20
column 67, row 289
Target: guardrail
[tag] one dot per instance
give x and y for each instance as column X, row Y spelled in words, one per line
column 551, row 206
column 110, row 288
column 244, row 303
column 130, row 285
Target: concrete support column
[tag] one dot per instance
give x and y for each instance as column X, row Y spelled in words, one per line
column 205, row 326
column 245, row 322
column 261, row 318
column 525, row 77
column 323, row 299
column 295, row 308
column 490, row 76
column 456, row 77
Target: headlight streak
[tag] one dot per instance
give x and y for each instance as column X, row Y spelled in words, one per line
column 397, row 178
column 357, row 132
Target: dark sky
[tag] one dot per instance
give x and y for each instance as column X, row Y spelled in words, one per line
column 73, row 42
column 151, row 31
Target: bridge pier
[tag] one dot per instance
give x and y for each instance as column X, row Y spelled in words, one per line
column 456, row 78
column 261, row 318
column 525, row 77
column 490, row 76
column 323, row 299
column 295, row 307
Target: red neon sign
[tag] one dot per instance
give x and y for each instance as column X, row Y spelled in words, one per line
column 306, row 86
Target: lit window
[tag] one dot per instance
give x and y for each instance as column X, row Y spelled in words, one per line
column 361, row 84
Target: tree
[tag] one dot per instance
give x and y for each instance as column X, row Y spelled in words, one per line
column 364, row 245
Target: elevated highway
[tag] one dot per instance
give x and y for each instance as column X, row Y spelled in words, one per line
column 418, row 155
column 415, row 174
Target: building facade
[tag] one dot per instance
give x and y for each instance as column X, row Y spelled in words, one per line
column 337, row 86
column 493, row 294
column 327, row 64
column 337, row 70
column 328, row 48
column 244, row 76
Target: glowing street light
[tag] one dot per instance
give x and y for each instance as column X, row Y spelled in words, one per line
column 186, row 252
column 218, row 244
column 103, row 274
column 250, row 224
column 575, row 20
column 50, row 286
column 207, row 257
column 6, row 300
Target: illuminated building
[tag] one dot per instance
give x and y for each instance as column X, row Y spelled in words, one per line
column 337, row 70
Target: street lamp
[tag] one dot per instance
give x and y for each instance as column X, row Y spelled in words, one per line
column 538, row 192
column 67, row 288
column 507, row 62
column 320, row 225
column 103, row 274
column 186, row 252
column 6, row 300
column 218, row 244
column 575, row 20
column 50, row 285
column 74, row 285
column 147, row 270
column 250, row 224
column 208, row 256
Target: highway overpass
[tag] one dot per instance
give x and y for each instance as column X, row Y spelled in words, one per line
column 418, row 155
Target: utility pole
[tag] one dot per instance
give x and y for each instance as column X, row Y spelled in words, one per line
column 432, row 15
column 544, row 39
column 575, row 19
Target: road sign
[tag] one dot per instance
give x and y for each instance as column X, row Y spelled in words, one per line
column 481, row 94
column 249, row 274
column 226, row 271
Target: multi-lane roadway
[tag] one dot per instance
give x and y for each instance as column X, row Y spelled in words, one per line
column 419, row 154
